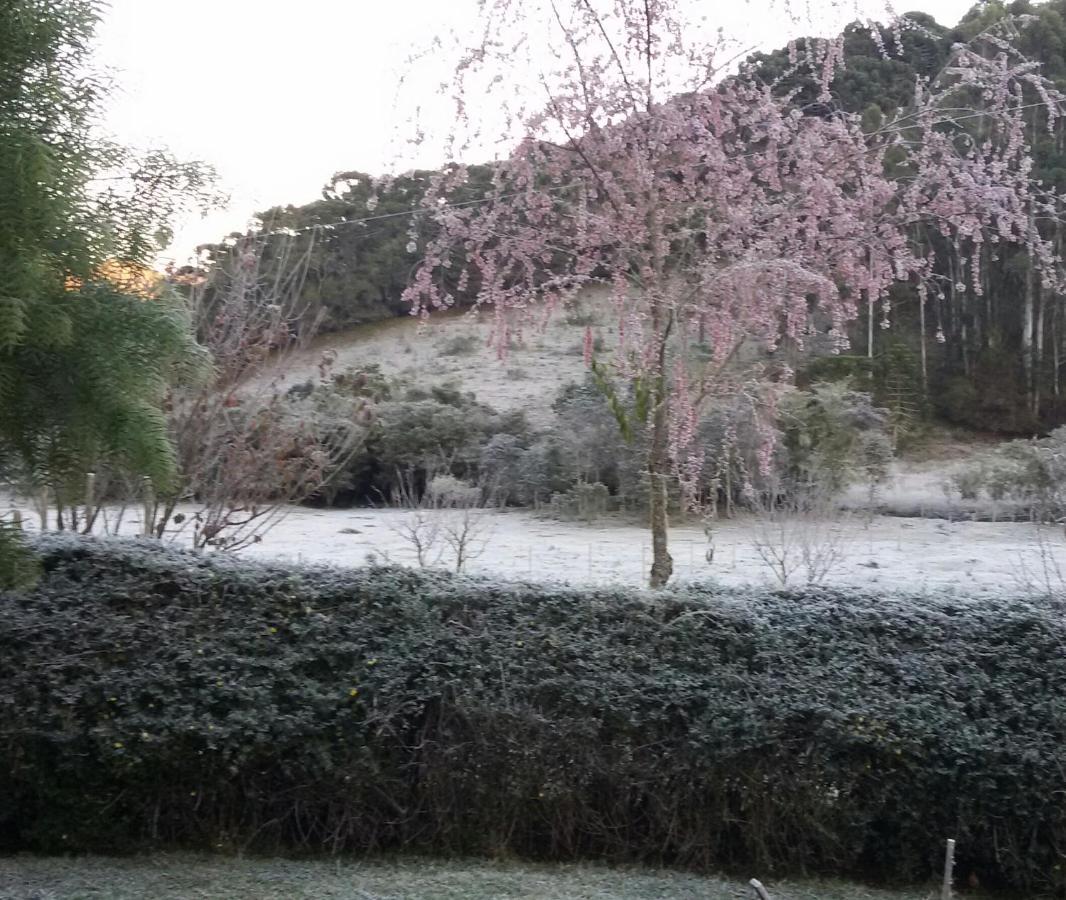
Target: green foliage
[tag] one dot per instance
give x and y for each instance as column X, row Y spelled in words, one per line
column 990, row 398
column 870, row 76
column 69, row 200
column 83, row 368
column 898, row 390
column 892, row 378
column 631, row 416
column 833, row 436
column 93, row 402
column 357, row 270
column 47, row 156
column 18, row 566
column 181, row 700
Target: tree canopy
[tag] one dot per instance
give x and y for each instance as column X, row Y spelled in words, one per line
column 84, row 362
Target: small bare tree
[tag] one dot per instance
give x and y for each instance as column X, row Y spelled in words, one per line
column 448, row 517
column 1041, row 571
column 247, row 448
column 801, row 536
column 420, row 527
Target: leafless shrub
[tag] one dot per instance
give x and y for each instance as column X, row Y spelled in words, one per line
column 467, row 532
column 247, row 450
column 804, row 538
column 1041, row 571
column 420, row 527
column 448, row 518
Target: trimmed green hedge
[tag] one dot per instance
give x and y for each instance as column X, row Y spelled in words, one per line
column 154, row 698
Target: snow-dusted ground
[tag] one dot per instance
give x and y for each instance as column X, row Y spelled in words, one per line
column 457, row 348
column 887, row 552
column 884, row 552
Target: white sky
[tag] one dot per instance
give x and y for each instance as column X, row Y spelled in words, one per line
column 280, row 94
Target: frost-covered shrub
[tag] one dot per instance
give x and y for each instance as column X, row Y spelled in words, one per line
column 460, row 345
column 429, row 432
column 588, row 436
column 833, row 436
column 1031, row 474
column 448, row 492
column 823, row 439
column 584, row 501
column 153, row 698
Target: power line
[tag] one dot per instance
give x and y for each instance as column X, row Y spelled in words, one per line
column 464, row 204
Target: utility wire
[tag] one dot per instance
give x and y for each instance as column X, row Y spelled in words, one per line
column 464, row 204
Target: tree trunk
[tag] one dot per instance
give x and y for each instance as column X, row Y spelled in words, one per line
column 964, row 342
column 1039, row 361
column 1055, row 313
column 925, row 352
column 1027, row 332
column 869, row 325
column 662, row 564
column 986, row 281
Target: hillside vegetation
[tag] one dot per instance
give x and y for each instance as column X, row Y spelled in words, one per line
column 984, row 350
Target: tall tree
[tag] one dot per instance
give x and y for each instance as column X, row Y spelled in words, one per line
column 84, row 364
column 715, row 208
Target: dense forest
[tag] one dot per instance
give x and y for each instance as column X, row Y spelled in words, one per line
column 986, row 350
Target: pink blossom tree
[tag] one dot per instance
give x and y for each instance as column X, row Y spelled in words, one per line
column 713, row 206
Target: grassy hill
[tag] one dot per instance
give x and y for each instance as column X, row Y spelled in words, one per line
column 457, row 347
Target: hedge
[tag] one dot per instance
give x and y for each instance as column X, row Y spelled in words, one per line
column 150, row 698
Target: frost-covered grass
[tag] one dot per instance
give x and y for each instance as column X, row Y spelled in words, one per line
column 880, row 552
column 184, row 877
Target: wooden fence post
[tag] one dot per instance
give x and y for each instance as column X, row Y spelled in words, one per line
column 949, row 870
column 760, row 891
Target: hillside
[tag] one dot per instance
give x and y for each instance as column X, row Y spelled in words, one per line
column 456, row 348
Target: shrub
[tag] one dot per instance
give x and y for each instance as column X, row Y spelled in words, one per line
column 460, row 345
column 584, row 501
column 18, row 568
column 157, row 698
column 589, row 439
column 439, row 431
column 833, row 436
column 1029, row 473
column 580, row 318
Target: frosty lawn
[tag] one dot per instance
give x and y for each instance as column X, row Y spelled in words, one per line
column 182, row 877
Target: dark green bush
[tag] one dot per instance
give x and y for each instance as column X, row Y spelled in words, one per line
column 154, row 698
column 437, row 431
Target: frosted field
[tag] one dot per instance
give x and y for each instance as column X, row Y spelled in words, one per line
column 976, row 548
column 887, row 552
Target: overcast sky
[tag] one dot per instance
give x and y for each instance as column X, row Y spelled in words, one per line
column 279, row 94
